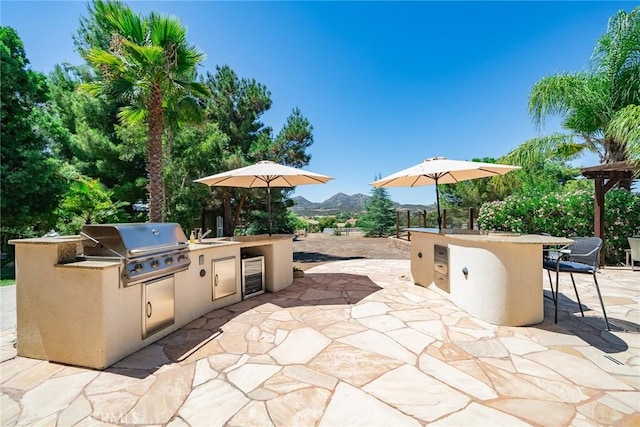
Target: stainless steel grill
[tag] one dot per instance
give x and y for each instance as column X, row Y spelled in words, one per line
column 147, row 250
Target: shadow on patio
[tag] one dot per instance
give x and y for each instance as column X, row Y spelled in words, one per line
column 592, row 328
column 200, row 337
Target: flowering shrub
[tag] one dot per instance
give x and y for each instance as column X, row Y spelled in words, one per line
column 567, row 214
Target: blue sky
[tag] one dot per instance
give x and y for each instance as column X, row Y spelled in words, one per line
column 384, row 84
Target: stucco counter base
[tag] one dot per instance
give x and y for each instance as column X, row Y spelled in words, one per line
column 496, row 278
column 77, row 312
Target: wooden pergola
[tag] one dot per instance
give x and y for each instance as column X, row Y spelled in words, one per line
column 606, row 177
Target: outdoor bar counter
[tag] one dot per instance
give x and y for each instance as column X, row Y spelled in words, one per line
column 496, row 277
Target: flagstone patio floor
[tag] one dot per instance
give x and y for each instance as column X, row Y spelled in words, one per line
column 356, row 343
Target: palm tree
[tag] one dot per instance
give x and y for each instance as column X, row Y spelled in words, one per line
column 147, row 64
column 600, row 107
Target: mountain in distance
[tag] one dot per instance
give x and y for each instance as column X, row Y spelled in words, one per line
column 339, row 203
column 333, row 205
column 343, row 201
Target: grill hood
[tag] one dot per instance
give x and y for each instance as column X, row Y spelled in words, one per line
column 132, row 240
column 147, row 250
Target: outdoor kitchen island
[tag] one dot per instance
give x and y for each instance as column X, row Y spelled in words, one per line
column 496, row 277
column 82, row 312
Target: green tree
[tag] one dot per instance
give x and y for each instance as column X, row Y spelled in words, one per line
column 30, row 184
column 473, row 193
column 540, row 177
column 148, row 62
column 326, row 222
column 379, row 217
column 86, row 201
column 295, row 222
column 196, row 151
column 97, row 146
column 600, row 107
column 288, row 148
column 290, row 145
column 236, row 105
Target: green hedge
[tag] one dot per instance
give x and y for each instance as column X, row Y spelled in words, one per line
column 568, row 214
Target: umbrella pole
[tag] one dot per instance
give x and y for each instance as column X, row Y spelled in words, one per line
column 438, row 205
column 269, row 206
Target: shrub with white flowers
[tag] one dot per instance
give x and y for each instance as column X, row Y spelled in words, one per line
column 567, row 214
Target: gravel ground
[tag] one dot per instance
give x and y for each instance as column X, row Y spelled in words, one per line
column 319, row 248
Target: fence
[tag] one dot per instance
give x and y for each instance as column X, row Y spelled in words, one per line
column 343, row 231
column 402, row 231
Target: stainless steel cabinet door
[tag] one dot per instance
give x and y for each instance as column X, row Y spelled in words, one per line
column 158, row 310
column 224, row 277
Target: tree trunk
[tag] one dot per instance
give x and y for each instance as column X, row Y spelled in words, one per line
column 236, row 219
column 154, row 155
column 166, row 157
column 227, row 218
column 614, row 151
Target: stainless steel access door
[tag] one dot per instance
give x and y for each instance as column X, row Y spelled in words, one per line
column 158, row 305
column 224, row 277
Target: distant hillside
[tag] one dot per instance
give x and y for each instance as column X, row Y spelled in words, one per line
column 339, row 203
column 335, row 204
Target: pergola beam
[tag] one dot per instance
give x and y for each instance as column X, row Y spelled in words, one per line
column 613, row 173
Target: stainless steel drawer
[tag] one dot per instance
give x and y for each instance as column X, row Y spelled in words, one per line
column 441, row 267
column 441, row 253
column 441, row 281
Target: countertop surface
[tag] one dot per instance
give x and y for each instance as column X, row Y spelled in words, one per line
column 92, row 264
column 242, row 241
column 498, row 237
column 47, row 240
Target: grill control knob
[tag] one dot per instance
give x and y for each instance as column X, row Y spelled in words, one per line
column 168, row 261
column 181, row 257
column 138, row 267
column 155, row 264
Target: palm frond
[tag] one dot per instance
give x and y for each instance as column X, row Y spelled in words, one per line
column 92, row 88
column 124, row 90
column 592, row 107
column 123, row 20
column 188, row 58
column 132, row 115
column 617, row 55
column 557, row 94
column 166, row 31
column 535, row 150
column 145, row 56
column 195, row 88
column 629, row 90
column 100, row 58
column 186, row 110
column 625, row 127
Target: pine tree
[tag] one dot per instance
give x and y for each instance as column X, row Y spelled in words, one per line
column 379, row 217
column 30, row 184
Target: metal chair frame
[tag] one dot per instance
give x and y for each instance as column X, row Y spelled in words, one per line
column 634, row 246
column 582, row 257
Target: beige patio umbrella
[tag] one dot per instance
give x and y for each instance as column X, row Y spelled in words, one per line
column 264, row 174
column 440, row 170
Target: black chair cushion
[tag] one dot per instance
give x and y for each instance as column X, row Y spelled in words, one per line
column 569, row 267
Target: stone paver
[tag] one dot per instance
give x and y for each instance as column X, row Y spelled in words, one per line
column 355, row 343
